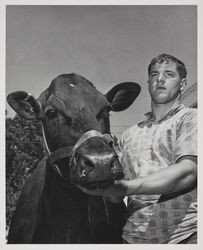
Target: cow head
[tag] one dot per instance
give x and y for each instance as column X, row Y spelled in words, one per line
column 74, row 115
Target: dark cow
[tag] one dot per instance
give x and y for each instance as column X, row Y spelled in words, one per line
column 75, row 119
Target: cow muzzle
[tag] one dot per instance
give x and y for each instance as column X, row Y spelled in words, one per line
column 92, row 170
column 93, row 161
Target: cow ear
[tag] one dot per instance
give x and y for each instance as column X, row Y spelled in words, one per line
column 123, row 95
column 25, row 105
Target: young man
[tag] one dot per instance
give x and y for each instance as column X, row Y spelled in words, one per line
column 159, row 157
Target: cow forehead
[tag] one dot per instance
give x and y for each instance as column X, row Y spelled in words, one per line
column 70, row 81
column 76, row 91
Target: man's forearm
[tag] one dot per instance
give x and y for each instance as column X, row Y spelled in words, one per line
column 172, row 179
column 175, row 178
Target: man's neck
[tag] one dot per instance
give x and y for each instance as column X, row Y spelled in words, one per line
column 159, row 110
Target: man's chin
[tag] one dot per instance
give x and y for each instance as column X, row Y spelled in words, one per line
column 163, row 99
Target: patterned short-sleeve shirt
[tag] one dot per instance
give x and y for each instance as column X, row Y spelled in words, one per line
column 147, row 148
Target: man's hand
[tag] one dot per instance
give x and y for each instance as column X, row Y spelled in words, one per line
column 117, row 189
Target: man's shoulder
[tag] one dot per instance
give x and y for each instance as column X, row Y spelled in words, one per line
column 187, row 113
column 129, row 131
column 189, row 109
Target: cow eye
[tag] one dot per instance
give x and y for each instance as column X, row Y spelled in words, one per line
column 103, row 113
column 51, row 114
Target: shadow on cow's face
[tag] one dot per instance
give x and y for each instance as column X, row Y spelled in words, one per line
column 69, row 108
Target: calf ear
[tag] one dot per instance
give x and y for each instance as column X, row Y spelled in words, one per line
column 25, row 105
column 123, row 95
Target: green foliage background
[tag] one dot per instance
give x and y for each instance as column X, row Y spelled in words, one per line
column 24, row 148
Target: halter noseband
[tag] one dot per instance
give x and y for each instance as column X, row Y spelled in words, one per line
column 70, row 151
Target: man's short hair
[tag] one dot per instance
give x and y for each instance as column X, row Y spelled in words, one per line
column 168, row 58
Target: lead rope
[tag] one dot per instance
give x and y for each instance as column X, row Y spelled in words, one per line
column 106, row 209
column 47, row 151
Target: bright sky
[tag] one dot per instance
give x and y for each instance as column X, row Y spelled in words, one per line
column 105, row 44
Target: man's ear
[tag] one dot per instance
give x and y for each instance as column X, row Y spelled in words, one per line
column 183, row 85
column 148, row 83
column 123, row 95
column 25, row 105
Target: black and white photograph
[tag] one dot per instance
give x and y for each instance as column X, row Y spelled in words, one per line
column 101, row 124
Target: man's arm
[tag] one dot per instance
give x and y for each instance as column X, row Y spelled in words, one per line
column 175, row 178
column 178, row 177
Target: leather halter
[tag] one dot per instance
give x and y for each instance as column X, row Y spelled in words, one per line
column 70, row 151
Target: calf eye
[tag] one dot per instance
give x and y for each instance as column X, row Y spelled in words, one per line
column 51, row 114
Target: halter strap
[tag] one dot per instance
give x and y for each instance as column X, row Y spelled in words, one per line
column 85, row 137
column 70, row 151
column 59, row 154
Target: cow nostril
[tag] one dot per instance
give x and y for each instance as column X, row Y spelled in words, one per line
column 89, row 165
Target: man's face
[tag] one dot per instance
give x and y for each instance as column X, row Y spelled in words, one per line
column 164, row 82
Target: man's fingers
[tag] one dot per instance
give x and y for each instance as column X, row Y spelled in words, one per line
column 82, row 188
column 91, row 191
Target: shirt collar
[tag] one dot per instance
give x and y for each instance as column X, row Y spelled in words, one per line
column 173, row 110
column 150, row 118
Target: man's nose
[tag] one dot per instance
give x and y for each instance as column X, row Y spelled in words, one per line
column 161, row 78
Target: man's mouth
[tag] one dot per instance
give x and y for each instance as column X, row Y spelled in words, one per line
column 161, row 87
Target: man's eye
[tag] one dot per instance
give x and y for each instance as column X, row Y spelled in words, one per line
column 153, row 74
column 169, row 74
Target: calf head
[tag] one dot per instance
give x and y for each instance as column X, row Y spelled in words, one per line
column 74, row 116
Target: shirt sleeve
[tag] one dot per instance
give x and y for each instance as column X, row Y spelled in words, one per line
column 124, row 156
column 119, row 150
column 186, row 139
